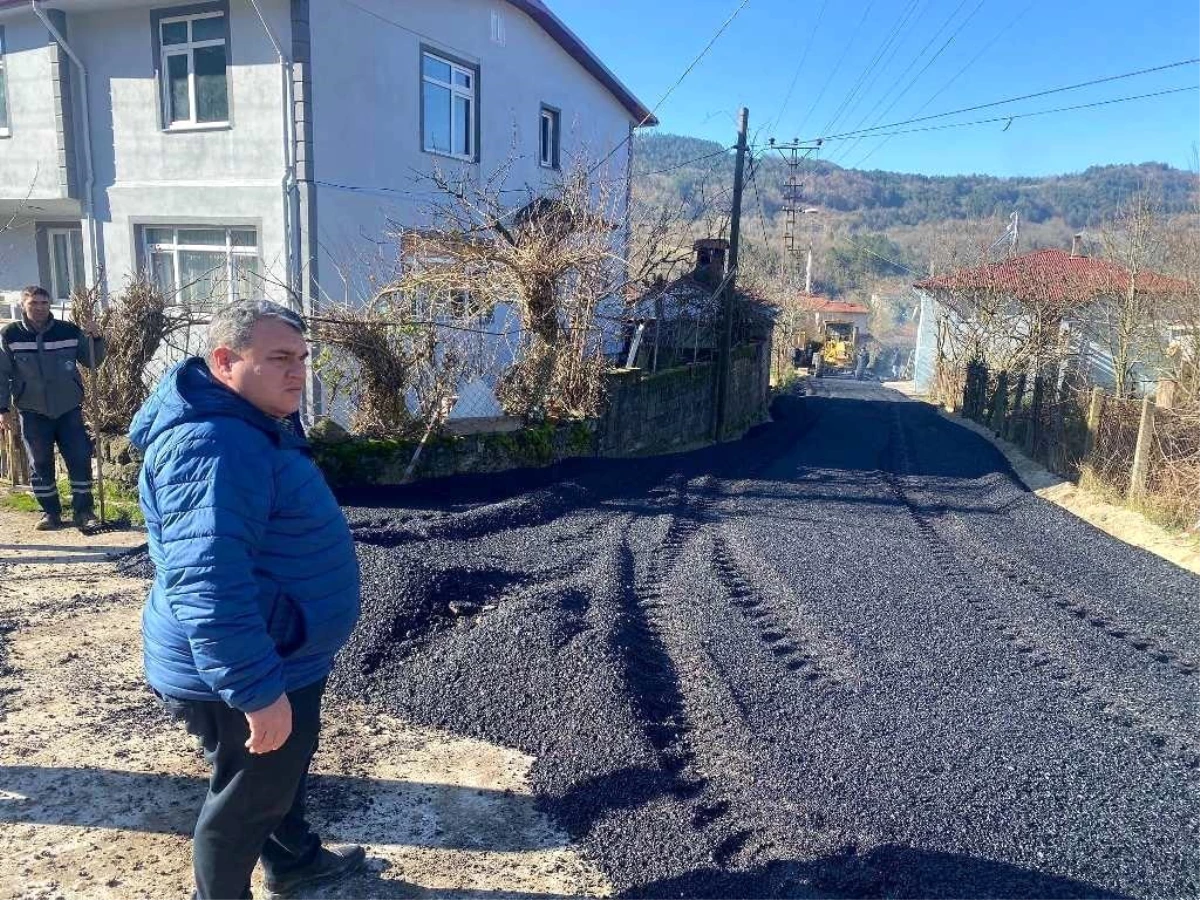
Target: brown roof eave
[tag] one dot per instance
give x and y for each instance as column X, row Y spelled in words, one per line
column 564, row 37
column 567, row 39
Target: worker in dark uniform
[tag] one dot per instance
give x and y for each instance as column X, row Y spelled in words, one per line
column 39, row 375
column 860, row 365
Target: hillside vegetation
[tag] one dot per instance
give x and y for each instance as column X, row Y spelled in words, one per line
column 881, row 200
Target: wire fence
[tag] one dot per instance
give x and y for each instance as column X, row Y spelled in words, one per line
column 1147, row 455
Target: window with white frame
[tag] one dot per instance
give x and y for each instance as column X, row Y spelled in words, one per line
column 4, row 131
column 66, row 262
column 202, row 266
column 194, row 70
column 548, row 139
column 448, row 106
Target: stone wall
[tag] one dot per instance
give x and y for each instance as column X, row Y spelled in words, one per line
column 664, row 412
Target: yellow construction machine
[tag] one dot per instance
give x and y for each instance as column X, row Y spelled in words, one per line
column 838, row 349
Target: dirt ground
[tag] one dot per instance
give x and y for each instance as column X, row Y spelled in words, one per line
column 98, row 791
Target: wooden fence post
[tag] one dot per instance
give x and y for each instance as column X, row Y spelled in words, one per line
column 1035, row 414
column 1095, row 408
column 999, row 409
column 1018, row 398
column 1141, row 456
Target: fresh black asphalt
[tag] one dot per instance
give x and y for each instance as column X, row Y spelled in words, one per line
column 847, row 656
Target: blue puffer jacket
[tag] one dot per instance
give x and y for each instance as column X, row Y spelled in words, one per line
column 257, row 582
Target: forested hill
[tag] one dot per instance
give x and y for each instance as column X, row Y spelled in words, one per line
column 876, row 200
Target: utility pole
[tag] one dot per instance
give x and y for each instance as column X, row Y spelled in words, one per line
column 1016, row 232
column 735, row 227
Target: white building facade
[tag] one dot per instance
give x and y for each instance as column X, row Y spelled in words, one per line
column 271, row 147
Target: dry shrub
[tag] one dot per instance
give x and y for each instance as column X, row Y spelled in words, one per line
column 553, row 259
column 1173, row 483
column 382, row 356
column 135, row 325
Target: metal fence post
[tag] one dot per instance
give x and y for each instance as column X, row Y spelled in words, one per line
column 1141, row 456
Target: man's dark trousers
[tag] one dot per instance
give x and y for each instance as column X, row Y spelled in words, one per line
column 40, row 434
column 255, row 803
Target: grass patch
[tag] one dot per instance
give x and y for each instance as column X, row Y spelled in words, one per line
column 120, row 507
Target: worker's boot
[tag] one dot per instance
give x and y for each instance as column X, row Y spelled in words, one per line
column 48, row 522
column 85, row 521
column 330, row 864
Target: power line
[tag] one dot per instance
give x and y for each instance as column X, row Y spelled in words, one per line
column 1058, row 90
column 893, row 262
column 1040, row 112
column 800, row 65
column 687, row 162
column 762, row 213
column 695, row 62
column 860, row 83
column 950, row 40
column 953, row 78
column 838, row 65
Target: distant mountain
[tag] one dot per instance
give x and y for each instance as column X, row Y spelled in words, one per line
column 671, row 166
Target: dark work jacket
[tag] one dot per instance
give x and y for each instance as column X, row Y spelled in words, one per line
column 39, row 370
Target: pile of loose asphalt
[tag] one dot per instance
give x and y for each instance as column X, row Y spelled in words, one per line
column 847, row 656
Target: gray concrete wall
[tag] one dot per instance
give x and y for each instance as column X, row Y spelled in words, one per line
column 29, row 155
column 148, row 175
column 18, row 260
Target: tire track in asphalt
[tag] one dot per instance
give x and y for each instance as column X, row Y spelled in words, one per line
column 1039, row 654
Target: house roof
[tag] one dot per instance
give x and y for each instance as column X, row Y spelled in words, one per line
column 817, row 303
column 1051, row 274
column 567, row 39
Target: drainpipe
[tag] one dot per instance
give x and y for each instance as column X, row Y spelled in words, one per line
column 89, row 184
column 291, row 197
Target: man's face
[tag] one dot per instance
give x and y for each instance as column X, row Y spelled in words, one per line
column 37, row 308
column 269, row 373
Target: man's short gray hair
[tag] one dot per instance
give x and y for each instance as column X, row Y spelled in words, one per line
column 232, row 325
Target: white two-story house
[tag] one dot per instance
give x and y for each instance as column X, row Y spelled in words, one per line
column 268, row 147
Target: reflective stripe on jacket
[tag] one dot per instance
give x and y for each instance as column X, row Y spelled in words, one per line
column 39, row 370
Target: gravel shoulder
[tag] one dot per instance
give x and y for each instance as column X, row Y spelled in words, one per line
column 98, row 792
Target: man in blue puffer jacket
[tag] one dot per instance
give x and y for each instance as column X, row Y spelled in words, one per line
column 256, row 590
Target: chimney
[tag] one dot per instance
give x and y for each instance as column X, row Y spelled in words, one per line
column 1077, row 245
column 710, row 260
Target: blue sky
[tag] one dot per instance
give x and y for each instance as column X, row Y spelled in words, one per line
column 1033, row 46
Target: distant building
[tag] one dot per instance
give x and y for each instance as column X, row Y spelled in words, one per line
column 1079, row 288
column 679, row 321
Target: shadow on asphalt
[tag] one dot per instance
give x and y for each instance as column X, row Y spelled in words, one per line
column 823, row 455
column 886, row 871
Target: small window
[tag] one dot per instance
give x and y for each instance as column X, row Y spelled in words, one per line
column 202, row 266
column 66, row 262
column 4, row 131
column 548, row 140
column 449, row 94
column 194, row 70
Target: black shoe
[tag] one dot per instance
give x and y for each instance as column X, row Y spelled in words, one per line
column 86, row 522
column 331, row 863
column 48, row 522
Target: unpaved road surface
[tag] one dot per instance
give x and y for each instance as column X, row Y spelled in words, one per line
column 848, row 656
column 98, row 792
